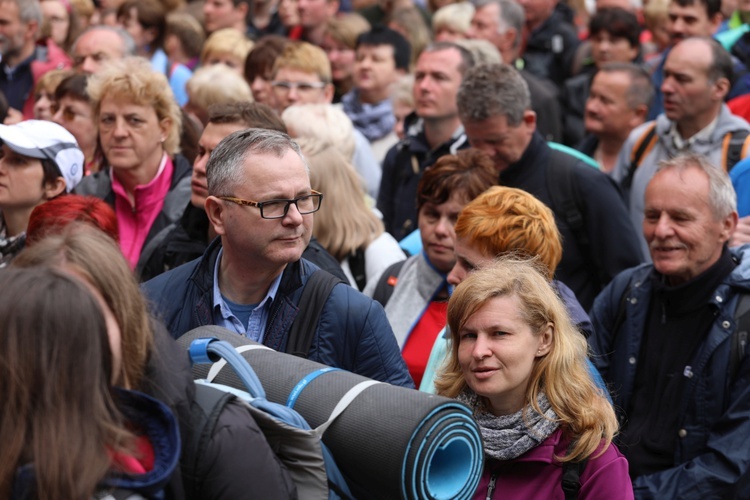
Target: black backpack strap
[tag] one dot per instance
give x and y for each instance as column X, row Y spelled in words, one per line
column 740, row 335
column 640, row 149
column 387, row 282
column 567, row 203
column 733, row 147
column 571, row 476
column 314, row 296
column 208, row 404
column 357, row 267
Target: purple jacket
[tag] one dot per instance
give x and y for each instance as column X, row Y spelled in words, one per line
column 536, row 474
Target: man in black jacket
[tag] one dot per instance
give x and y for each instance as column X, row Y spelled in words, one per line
column 494, row 106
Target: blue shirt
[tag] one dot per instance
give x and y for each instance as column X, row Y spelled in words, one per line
column 223, row 315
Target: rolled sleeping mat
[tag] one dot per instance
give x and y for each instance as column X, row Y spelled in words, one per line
column 390, row 442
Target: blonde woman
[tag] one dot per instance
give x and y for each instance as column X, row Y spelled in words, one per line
column 345, row 225
column 517, row 360
column 229, row 46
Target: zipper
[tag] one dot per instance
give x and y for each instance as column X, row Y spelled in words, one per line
column 491, row 487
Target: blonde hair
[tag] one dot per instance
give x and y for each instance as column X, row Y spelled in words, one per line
column 204, row 91
column 133, row 79
column 227, row 41
column 402, row 91
column 562, row 374
column 345, row 28
column 324, row 122
column 304, row 57
column 456, row 16
column 344, row 222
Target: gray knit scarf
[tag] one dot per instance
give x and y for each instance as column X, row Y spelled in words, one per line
column 511, row 436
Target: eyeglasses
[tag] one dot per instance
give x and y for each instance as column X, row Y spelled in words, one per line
column 302, row 87
column 277, row 209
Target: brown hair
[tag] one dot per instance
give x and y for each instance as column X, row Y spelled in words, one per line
column 55, row 371
column 97, row 258
column 469, row 172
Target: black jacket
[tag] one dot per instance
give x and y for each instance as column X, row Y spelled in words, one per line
column 550, row 49
column 614, row 245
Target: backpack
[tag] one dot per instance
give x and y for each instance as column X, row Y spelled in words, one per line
column 387, row 283
column 566, row 202
column 310, row 464
column 734, row 148
column 308, row 461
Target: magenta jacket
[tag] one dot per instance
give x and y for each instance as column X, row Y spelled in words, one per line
column 536, row 474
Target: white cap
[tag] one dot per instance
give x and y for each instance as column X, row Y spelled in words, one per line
column 46, row 140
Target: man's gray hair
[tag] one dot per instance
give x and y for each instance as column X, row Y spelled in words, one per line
column 128, row 44
column 511, row 16
column 490, row 90
column 224, row 170
column 721, row 195
column 30, row 10
column 640, row 90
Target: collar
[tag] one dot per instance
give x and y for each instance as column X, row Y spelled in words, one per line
column 223, row 308
column 9, row 72
column 686, row 144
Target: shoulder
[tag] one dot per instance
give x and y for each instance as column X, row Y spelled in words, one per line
column 606, row 475
column 98, row 184
column 174, row 281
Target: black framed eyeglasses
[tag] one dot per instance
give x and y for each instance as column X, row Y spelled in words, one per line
column 277, row 209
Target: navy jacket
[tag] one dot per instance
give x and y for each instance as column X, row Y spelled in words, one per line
column 711, row 453
column 353, row 332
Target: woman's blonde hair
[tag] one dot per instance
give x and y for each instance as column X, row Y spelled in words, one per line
column 133, row 79
column 204, row 91
column 96, row 257
column 562, row 374
column 456, row 16
column 324, row 122
column 344, row 222
column 227, row 41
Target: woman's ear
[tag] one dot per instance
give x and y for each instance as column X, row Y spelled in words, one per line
column 545, row 340
column 54, row 188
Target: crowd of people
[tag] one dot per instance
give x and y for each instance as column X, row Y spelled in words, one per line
column 538, row 208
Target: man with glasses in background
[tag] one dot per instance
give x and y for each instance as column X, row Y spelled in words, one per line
column 251, row 279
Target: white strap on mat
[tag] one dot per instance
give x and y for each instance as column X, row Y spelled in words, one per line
column 216, row 367
column 344, row 403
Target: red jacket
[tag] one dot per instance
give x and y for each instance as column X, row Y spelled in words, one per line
column 56, row 58
column 536, row 474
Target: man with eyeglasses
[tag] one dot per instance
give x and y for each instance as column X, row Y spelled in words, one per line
column 251, row 279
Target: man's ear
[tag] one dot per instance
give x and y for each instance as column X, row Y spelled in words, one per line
column 721, row 88
column 333, row 7
column 529, row 118
column 54, row 188
column 729, row 225
column 640, row 114
column 215, row 211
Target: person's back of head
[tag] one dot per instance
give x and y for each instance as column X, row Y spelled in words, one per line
column 203, row 91
column 55, row 372
column 86, row 251
column 345, row 223
column 52, row 217
column 324, row 122
column 247, row 114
